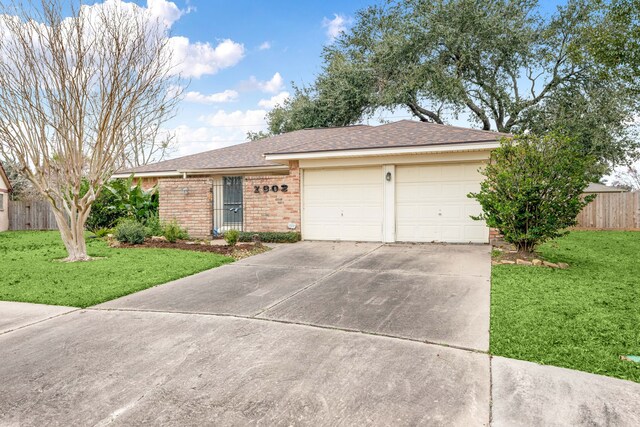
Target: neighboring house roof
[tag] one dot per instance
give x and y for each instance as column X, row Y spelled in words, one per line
column 601, row 188
column 3, row 175
column 405, row 133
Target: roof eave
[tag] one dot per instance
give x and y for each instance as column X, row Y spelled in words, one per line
column 5, row 177
column 385, row 151
column 204, row 171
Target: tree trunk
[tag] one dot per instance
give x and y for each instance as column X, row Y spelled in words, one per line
column 72, row 233
column 525, row 247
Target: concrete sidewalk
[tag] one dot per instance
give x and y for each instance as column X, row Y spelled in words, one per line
column 16, row 315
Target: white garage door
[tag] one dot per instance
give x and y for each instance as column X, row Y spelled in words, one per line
column 342, row 204
column 432, row 204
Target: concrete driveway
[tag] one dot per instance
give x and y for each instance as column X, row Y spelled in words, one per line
column 307, row 334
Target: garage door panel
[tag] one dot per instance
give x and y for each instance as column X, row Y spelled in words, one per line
column 340, row 177
column 432, row 203
column 343, row 204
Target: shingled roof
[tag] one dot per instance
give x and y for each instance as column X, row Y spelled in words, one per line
column 246, row 155
column 404, row 133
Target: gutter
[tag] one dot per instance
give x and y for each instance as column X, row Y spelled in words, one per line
column 280, row 169
column 376, row 151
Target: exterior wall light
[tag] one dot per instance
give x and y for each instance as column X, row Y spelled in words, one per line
column 185, row 190
column 388, row 176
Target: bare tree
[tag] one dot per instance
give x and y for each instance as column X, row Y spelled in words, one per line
column 627, row 176
column 149, row 144
column 71, row 90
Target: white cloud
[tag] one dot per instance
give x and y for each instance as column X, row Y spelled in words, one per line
column 189, row 59
column 274, row 100
column 265, row 46
column 274, row 85
column 336, row 26
column 250, row 119
column 191, row 140
column 214, row 98
column 198, row 59
column 165, row 10
column 220, row 129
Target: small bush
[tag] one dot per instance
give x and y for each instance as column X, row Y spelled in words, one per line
column 231, row 237
column 153, row 225
column 102, row 232
column 130, row 231
column 173, row 232
column 270, row 237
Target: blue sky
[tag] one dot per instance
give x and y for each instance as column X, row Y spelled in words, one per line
column 241, row 57
column 281, row 41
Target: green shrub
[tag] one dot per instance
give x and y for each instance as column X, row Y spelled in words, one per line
column 173, row 232
column 231, row 237
column 533, row 188
column 153, row 226
column 130, row 231
column 102, row 232
column 270, row 236
column 121, row 198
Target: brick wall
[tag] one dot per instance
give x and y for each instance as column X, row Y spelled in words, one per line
column 272, row 211
column 147, row 183
column 192, row 210
column 494, row 236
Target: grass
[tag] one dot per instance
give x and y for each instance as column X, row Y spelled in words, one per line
column 30, row 269
column 581, row 318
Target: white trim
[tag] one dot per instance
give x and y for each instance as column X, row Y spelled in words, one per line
column 364, row 152
column 237, row 171
column 389, row 204
column 146, row 174
column 301, row 190
column 183, row 173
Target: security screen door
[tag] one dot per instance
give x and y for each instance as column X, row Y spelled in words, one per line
column 232, row 202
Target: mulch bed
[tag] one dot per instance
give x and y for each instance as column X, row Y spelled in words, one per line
column 218, row 249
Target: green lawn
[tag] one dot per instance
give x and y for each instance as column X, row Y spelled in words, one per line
column 582, row 318
column 30, row 270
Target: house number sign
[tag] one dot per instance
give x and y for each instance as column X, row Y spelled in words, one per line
column 274, row 188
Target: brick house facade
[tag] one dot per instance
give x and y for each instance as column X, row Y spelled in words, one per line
column 272, row 210
column 190, row 202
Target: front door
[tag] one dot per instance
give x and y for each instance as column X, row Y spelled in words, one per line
column 232, row 202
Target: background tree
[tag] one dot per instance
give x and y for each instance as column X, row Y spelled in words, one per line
column 21, row 187
column 71, row 90
column 150, row 143
column 497, row 62
column 616, row 40
column 533, row 187
column 627, row 176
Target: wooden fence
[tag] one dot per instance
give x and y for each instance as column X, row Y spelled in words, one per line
column 612, row 211
column 31, row 215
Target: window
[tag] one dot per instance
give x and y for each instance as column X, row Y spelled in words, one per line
column 1, row 201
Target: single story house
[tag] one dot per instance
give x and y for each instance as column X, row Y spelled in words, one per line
column 597, row 188
column 5, row 189
column 400, row 182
